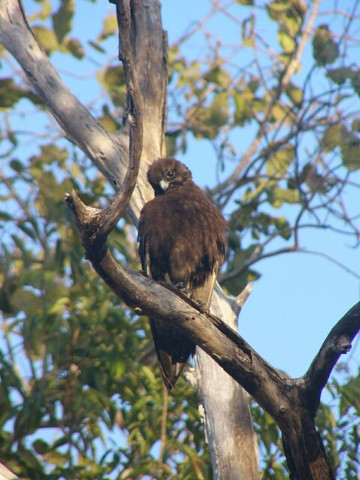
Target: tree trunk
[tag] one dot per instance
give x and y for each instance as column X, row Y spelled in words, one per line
column 304, row 450
column 230, row 434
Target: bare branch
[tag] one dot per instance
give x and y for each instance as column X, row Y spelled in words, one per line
column 6, row 474
column 106, row 151
column 115, row 210
column 243, row 296
column 294, row 64
column 291, row 402
column 336, row 343
column 283, row 83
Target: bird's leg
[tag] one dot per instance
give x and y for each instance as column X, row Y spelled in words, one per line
column 184, row 289
column 202, row 304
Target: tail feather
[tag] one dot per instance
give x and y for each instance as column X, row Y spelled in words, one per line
column 173, row 349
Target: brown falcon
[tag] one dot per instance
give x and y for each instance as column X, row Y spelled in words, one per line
column 182, row 242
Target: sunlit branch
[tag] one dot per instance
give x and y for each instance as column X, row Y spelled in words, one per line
column 336, row 343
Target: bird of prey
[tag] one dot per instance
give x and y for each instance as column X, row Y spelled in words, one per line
column 181, row 241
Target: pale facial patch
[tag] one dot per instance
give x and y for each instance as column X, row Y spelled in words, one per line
column 164, row 184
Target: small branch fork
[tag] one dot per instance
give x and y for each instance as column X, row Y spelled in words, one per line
column 95, row 224
column 291, row 402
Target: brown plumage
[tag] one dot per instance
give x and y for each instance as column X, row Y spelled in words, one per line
column 182, row 241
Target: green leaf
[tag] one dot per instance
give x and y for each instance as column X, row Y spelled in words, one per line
column 355, row 81
column 340, row 75
column 283, row 226
column 59, row 306
column 295, row 94
column 10, row 93
column 28, row 458
column 5, row 216
column 247, row 31
column 24, row 300
column 292, row 22
column 46, row 38
column 350, row 151
column 355, row 125
column 243, row 103
column 333, row 137
column 109, row 123
column 286, row 41
column 245, row 2
column 219, row 110
column 113, row 79
column 278, row 196
column 96, row 46
column 279, row 162
column 51, row 153
column 74, row 47
column 55, row 458
column 279, row 113
column 278, row 6
column 62, row 19
column 109, row 27
column 238, row 283
column 325, row 49
column 40, row 446
column 350, row 395
column 219, row 76
column 117, row 367
column 27, row 230
column 16, row 165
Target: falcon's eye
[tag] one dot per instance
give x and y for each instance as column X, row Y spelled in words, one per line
column 170, row 174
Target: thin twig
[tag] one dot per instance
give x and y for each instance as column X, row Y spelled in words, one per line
column 163, row 423
column 288, row 73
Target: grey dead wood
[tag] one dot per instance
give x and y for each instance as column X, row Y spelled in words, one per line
column 6, row 474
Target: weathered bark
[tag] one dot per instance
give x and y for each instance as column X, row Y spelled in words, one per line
column 234, row 442
column 223, row 407
column 108, row 152
column 303, row 447
column 6, row 474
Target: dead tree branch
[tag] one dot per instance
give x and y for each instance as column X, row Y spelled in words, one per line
column 336, row 344
column 80, row 126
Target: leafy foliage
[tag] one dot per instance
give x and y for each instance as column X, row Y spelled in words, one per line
column 79, row 394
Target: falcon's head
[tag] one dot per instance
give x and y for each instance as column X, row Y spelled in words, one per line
column 167, row 173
